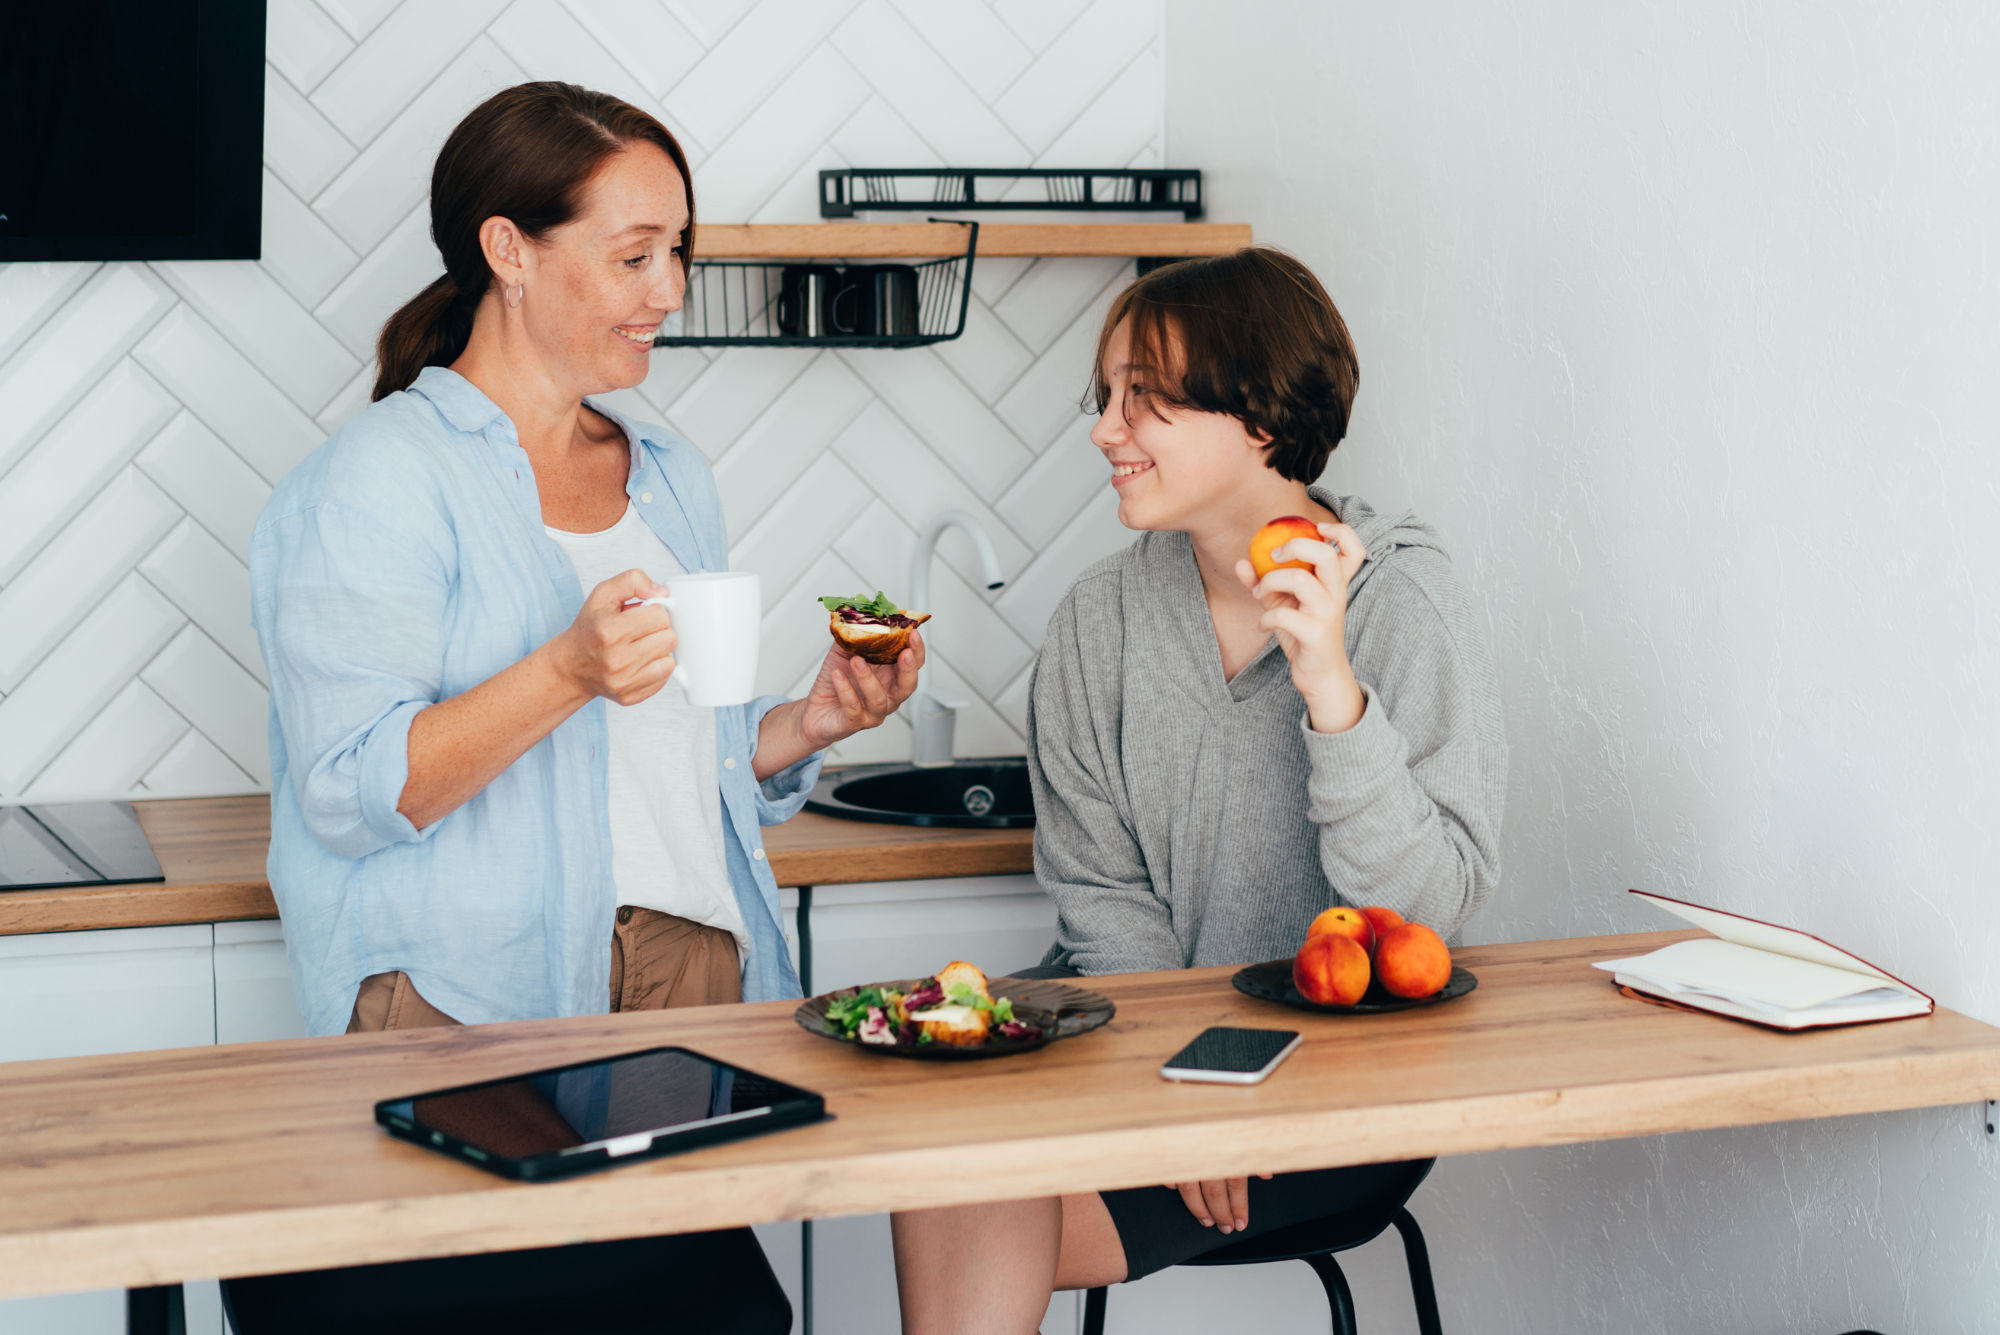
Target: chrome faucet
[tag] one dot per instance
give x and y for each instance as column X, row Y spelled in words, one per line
column 935, row 723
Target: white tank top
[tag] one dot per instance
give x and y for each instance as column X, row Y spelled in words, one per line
column 666, row 802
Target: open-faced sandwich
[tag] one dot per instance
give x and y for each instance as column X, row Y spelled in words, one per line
column 953, row 1007
column 871, row 628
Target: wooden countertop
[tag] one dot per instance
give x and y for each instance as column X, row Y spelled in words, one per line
column 148, row 1168
column 213, row 851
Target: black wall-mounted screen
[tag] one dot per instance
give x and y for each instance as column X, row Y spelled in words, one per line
column 131, row 129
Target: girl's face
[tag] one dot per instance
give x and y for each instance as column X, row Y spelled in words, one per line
column 597, row 288
column 1175, row 469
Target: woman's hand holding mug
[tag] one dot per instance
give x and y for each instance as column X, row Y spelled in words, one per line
column 625, row 654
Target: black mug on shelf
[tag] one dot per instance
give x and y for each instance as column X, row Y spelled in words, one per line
column 806, row 294
column 877, row 300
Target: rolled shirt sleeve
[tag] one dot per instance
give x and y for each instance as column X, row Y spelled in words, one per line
column 784, row 794
column 350, row 618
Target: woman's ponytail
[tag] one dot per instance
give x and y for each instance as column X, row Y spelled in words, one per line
column 524, row 154
column 430, row 329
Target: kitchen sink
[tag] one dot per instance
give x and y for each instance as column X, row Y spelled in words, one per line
column 981, row 794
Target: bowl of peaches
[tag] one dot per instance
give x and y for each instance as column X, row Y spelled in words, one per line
column 1360, row 961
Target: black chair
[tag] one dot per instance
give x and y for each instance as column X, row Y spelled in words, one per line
column 1315, row 1241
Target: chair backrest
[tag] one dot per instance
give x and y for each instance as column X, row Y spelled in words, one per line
column 1317, row 1237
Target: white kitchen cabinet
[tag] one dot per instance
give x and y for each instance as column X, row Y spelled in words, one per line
column 254, row 1000
column 78, row 994
column 907, row 929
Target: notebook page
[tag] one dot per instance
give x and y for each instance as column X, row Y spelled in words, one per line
column 1875, row 996
column 1767, row 936
column 1761, row 977
column 1886, row 1003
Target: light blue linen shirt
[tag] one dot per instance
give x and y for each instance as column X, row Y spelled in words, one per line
column 401, row 564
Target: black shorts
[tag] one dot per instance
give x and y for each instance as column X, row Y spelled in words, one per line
column 1158, row 1230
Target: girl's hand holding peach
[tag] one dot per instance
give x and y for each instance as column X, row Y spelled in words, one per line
column 1307, row 609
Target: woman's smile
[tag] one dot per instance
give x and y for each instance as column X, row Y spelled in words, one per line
column 640, row 335
column 1126, row 470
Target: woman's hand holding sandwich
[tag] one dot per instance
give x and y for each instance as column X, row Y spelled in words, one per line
column 848, row 696
column 1307, row 609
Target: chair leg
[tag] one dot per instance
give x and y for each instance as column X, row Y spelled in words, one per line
column 1093, row 1311
column 156, row 1311
column 1337, row 1295
column 1421, row 1287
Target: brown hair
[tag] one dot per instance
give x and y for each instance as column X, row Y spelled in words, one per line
column 523, row 154
column 1252, row 335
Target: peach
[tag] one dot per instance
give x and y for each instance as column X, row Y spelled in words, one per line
column 1347, row 922
column 1412, row 961
column 1382, row 920
column 1331, row 969
column 1275, row 534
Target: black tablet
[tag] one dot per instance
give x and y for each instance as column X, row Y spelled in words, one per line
column 573, row 1119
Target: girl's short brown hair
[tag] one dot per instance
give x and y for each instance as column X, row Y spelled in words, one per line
column 1252, row 335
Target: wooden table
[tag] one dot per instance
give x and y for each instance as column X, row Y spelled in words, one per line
column 154, row 1167
column 213, row 851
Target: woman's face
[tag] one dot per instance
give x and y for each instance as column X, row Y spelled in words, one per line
column 1170, row 465
column 597, row 288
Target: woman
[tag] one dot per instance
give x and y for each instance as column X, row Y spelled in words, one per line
column 488, row 792
column 1218, row 758
column 491, row 800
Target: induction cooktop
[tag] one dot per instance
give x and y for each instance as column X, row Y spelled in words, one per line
column 73, row 843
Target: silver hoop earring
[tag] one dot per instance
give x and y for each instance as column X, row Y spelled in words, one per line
column 514, row 294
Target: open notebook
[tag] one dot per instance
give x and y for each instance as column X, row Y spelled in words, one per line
column 1765, row 974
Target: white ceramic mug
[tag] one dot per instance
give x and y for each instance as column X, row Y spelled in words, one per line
column 718, row 616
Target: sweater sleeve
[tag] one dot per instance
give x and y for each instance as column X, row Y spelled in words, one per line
column 1086, row 855
column 1408, row 801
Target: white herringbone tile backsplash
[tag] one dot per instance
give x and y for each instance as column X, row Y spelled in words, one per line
column 146, row 409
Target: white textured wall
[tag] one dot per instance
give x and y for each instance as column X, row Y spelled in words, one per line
column 1679, row 320
column 145, row 410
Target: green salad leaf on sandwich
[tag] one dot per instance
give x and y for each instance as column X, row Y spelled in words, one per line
column 878, row 606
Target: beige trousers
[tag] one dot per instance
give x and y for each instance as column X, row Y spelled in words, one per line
column 658, row 962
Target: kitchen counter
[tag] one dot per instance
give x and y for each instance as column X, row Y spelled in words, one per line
column 213, row 850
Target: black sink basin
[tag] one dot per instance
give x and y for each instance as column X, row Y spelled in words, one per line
column 982, row 794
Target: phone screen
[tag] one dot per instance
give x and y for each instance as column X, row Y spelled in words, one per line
column 1237, row 1051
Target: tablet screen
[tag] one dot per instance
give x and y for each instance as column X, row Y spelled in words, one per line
column 643, row 1102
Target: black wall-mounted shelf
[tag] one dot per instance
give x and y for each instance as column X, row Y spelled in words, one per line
column 735, row 304
column 846, row 190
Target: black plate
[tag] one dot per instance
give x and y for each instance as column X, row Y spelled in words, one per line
column 1057, row 1009
column 1272, row 981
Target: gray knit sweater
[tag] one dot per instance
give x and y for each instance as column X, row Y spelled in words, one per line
column 1184, row 820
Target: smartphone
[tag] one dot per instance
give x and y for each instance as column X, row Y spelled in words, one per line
column 1232, row 1056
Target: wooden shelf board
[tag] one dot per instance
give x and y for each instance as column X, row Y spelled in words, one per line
column 843, row 240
